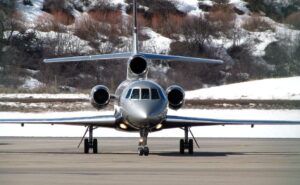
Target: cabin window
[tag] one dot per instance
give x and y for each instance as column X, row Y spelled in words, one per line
column 155, row 94
column 135, row 94
column 145, row 94
column 128, row 93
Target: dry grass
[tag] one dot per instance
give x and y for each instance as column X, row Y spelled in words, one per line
column 46, row 23
column 223, row 16
column 294, row 20
column 257, row 24
column 63, row 17
column 89, row 29
column 106, row 16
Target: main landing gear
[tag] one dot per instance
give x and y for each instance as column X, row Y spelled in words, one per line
column 143, row 149
column 90, row 143
column 186, row 143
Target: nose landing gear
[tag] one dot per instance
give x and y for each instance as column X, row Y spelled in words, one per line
column 143, row 149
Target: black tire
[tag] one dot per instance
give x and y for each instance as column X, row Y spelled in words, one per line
column 140, row 151
column 146, row 151
column 86, row 146
column 95, row 146
column 191, row 146
column 181, row 146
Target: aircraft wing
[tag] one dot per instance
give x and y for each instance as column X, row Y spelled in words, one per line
column 180, row 58
column 181, row 121
column 101, row 120
column 89, row 58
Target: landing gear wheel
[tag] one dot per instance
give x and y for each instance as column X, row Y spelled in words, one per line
column 146, row 151
column 181, row 146
column 86, row 146
column 191, row 146
column 95, row 146
column 140, row 151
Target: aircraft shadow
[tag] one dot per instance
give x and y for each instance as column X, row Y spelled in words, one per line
column 199, row 154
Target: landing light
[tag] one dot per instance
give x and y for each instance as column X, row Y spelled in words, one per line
column 123, row 126
column 158, row 126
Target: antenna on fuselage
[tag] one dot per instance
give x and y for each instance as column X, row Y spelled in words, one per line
column 135, row 49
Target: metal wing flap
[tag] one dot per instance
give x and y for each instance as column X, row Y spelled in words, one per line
column 103, row 120
column 89, row 58
column 181, row 58
column 180, row 121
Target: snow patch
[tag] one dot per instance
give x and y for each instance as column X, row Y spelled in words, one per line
column 189, row 7
column 268, row 89
column 31, row 83
column 240, row 4
column 157, row 43
column 31, row 13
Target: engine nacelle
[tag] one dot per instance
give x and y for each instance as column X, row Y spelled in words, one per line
column 100, row 96
column 138, row 65
column 175, row 96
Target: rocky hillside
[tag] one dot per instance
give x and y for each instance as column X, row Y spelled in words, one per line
column 255, row 38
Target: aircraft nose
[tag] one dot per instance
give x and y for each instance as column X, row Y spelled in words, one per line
column 145, row 115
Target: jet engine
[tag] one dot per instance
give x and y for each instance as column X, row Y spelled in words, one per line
column 175, row 96
column 100, row 96
column 138, row 65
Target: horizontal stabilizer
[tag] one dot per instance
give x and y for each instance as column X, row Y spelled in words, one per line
column 89, row 58
column 180, row 58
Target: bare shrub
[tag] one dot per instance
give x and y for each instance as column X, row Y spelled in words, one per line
column 222, row 16
column 112, row 17
column 54, row 5
column 294, row 20
column 89, row 29
column 46, row 23
column 168, row 24
column 257, row 24
column 63, row 17
column 197, row 30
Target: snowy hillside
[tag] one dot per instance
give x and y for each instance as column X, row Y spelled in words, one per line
column 252, row 44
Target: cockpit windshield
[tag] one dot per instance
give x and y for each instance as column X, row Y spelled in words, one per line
column 154, row 94
column 143, row 94
column 135, row 94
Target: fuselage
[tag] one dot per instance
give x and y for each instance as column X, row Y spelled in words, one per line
column 141, row 104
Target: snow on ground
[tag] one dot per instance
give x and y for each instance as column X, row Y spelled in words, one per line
column 240, row 4
column 44, row 96
column 31, row 83
column 157, row 43
column 262, row 40
column 190, row 7
column 268, row 89
column 210, row 131
column 65, row 41
column 31, row 13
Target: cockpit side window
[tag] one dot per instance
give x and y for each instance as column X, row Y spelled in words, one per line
column 135, row 94
column 128, row 93
column 155, row 94
column 145, row 94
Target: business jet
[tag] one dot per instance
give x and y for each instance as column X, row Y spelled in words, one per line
column 141, row 105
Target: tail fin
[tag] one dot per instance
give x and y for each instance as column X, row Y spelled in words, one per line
column 135, row 45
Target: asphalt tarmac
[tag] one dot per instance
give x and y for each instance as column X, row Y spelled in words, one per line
column 57, row 161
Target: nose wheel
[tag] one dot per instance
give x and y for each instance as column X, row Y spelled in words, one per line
column 143, row 150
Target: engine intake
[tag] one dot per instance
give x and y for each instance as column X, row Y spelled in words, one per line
column 138, row 65
column 176, row 97
column 100, row 96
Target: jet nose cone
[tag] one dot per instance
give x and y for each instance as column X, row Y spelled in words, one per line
column 141, row 115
